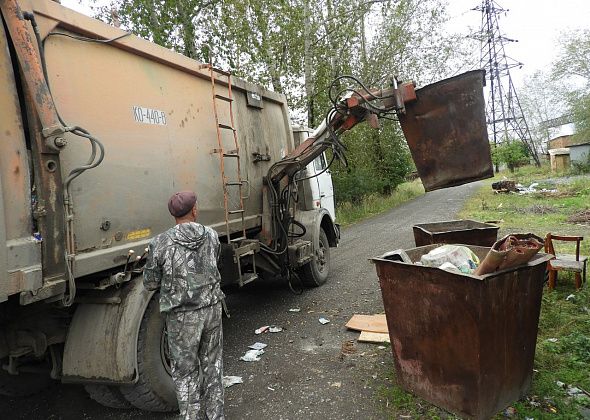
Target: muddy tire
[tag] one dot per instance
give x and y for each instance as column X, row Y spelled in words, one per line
column 154, row 390
column 108, row 395
column 24, row 384
column 315, row 273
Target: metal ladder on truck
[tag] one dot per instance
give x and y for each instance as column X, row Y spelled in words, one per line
column 241, row 246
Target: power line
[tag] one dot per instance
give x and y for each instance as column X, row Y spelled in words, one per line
column 504, row 114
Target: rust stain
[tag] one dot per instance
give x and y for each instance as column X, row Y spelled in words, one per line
column 448, row 331
column 447, row 133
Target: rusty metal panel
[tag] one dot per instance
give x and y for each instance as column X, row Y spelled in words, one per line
column 146, row 160
column 447, row 133
column 467, row 232
column 465, row 343
column 20, row 254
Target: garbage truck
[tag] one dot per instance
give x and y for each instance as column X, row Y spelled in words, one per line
column 99, row 127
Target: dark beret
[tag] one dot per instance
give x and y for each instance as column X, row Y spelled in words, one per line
column 181, row 203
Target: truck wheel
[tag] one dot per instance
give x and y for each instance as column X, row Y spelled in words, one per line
column 154, row 390
column 24, row 384
column 108, row 395
column 315, row 273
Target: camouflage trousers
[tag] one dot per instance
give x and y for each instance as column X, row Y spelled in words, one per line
column 195, row 339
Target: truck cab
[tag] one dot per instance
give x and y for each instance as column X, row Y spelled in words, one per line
column 318, row 187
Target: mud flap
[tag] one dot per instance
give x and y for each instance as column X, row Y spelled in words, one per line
column 101, row 346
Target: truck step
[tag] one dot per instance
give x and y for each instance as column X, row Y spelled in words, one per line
column 234, row 183
column 224, row 98
column 233, row 155
column 226, row 127
column 235, row 211
column 248, row 278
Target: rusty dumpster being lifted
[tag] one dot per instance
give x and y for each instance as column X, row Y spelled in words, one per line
column 446, row 132
column 468, row 232
column 463, row 342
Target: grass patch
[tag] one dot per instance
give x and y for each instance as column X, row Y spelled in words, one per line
column 348, row 213
column 538, row 213
column 400, row 404
column 566, row 360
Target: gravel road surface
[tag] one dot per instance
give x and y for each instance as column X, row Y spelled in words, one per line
column 303, row 373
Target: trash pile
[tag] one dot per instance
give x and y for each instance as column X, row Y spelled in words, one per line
column 508, row 252
column 581, row 217
column 504, row 186
column 508, row 186
column 533, row 189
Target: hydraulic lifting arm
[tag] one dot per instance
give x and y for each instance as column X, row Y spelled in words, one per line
column 347, row 111
column 358, row 106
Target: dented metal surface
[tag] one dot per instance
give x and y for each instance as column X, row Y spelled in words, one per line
column 465, row 343
column 447, row 133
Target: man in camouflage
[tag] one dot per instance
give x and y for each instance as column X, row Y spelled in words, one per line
column 182, row 263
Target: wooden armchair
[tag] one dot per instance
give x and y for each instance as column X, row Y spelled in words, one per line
column 566, row 262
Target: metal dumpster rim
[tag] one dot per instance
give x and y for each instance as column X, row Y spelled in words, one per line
column 538, row 258
column 487, row 226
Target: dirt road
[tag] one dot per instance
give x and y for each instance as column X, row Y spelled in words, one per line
column 302, row 374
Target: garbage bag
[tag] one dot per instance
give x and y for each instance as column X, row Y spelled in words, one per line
column 459, row 256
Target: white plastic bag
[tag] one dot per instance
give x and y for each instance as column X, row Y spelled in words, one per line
column 459, row 256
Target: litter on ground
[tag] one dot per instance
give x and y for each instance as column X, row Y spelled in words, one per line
column 252, row 355
column 257, row 346
column 371, row 323
column 372, row 337
column 275, row 329
column 324, row 321
column 261, row 330
column 295, row 310
column 231, row 380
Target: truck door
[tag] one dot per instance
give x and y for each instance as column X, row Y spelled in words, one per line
column 324, row 182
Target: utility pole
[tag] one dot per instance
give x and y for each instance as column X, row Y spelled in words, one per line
column 503, row 111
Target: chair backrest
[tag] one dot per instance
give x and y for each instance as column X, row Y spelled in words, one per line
column 550, row 249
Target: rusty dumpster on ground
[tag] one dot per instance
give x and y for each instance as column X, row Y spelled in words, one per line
column 465, row 343
column 468, row 232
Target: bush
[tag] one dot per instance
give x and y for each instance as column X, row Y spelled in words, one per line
column 513, row 153
column 379, row 161
column 579, row 168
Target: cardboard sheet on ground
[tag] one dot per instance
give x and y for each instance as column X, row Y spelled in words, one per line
column 370, row 323
column 372, row 337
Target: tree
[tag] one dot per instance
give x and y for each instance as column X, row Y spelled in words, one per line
column 299, row 47
column 573, row 69
column 542, row 99
column 513, row 153
column 181, row 25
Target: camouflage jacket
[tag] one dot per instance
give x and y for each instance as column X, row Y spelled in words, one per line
column 182, row 262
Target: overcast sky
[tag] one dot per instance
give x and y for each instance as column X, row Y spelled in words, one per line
column 536, row 24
